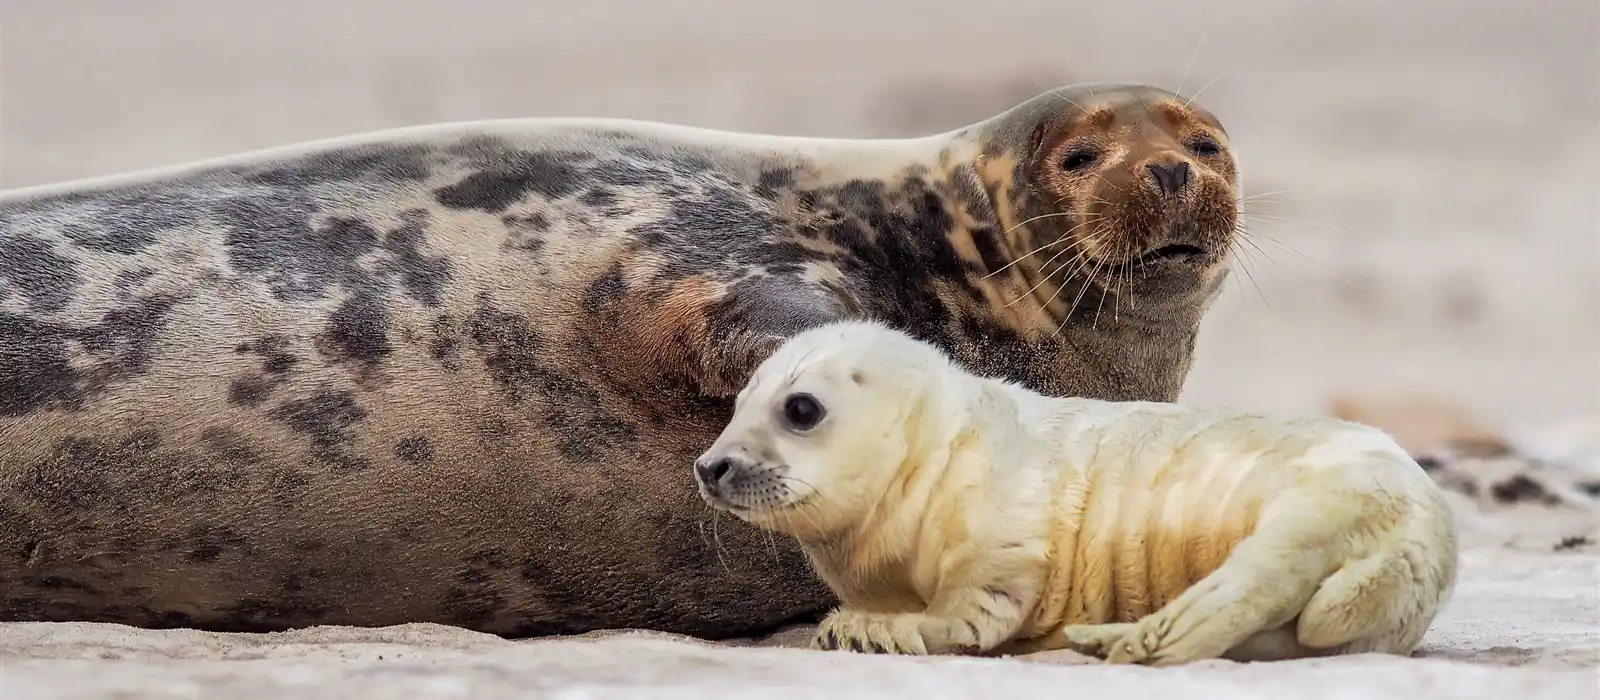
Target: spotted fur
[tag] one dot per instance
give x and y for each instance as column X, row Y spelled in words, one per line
column 452, row 374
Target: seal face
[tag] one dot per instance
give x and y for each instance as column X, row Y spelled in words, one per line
column 444, row 374
column 956, row 513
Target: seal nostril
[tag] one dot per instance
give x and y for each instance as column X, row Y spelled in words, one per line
column 1170, row 178
column 713, row 472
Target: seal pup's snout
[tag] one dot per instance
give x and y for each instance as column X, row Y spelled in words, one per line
column 714, row 472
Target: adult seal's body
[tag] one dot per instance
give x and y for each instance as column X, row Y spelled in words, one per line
column 449, row 374
column 957, row 513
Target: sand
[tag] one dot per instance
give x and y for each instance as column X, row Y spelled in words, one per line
column 1432, row 228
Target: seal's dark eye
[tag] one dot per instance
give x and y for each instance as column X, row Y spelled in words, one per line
column 1078, row 160
column 802, row 412
column 1205, row 148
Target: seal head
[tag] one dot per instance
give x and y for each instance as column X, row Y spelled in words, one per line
column 1122, row 190
column 834, row 412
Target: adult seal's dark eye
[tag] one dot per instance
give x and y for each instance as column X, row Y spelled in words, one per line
column 1079, row 160
column 1205, row 148
column 802, row 412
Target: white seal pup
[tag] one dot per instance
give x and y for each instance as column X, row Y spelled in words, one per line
column 953, row 513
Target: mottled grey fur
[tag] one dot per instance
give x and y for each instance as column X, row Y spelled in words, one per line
column 460, row 375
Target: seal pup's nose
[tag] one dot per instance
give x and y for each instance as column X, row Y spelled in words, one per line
column 1170, row 177
column 711, row 472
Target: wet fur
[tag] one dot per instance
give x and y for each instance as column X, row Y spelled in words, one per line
column 959, row 514
column 449, row 374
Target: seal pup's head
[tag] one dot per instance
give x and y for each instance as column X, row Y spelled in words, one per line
column 1122, row 189
column 824, row 425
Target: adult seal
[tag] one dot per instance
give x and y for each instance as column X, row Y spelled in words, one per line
column 449, row 374
column 958, row 513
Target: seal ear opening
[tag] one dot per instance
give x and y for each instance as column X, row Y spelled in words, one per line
column 1035, row 140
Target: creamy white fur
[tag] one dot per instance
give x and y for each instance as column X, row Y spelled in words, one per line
column 955, row 513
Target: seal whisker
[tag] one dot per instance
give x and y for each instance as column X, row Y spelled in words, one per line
column 1244, row 237
column 1087, row 281
column 1244, row 265
column 1109, row 184
column 1245, row 233
column 1275, row 217
column 1190, row 67
column 716, row 537
column 1107, row 291
column 1203, row 88
column 1057, row 93
column 1035, row 251
column 1247, row 198
column 1045, row 273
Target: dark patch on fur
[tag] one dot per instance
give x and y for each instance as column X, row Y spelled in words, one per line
column 422, row 276
column 36, row 368
column 605, row 290
column 515, row 175
column 475, row 598
column 276, row 361
column 209, row 543
column 359, row 329
column 445, row 346
column 384, row 164
column 773, row 183
column 513, row 352
column 29, row 266
column 599, row 198
column 128, row 280
column 415, row 449
column 325, row 419
column 228, row 446
column 250, row 390
column 987, row 241
column 526, row 232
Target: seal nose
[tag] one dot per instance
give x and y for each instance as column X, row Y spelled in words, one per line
column 712, row 472
column 1170, row 177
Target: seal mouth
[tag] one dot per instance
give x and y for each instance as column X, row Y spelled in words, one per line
column 1177, row 252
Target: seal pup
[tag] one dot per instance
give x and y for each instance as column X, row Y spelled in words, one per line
column 957, row 513
column 446, row 373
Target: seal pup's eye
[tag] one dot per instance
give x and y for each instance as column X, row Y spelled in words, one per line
column 802, row 412
column 1078, row 160
column 1204, row 148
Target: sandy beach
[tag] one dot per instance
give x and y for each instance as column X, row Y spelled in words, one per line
column 1428, row 224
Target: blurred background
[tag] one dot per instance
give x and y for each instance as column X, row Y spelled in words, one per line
column 1433, row 227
